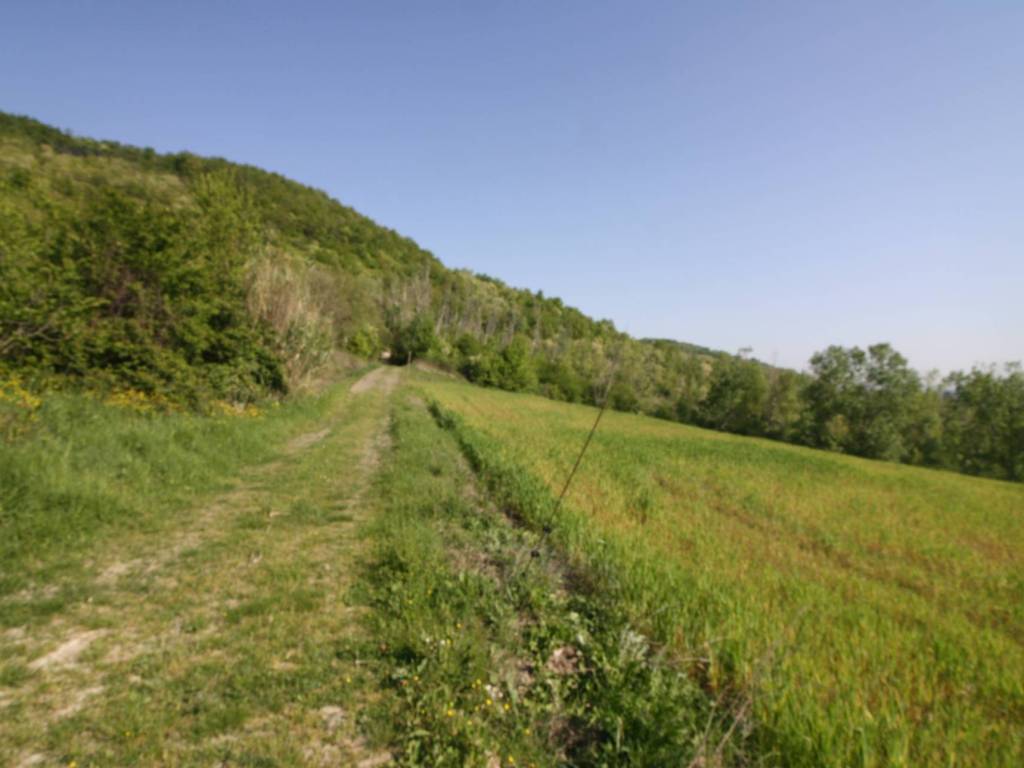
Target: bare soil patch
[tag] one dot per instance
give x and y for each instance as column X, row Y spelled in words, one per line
column 68, row 651
column 384, row 379
column 302, row 442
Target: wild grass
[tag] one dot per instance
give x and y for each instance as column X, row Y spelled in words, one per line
column 491, row 651
column 872, row 613
column 294, row 298
column 80, row 468
column 700, row 599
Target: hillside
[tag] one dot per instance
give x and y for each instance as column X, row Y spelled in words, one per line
column 205, row 248
column 193, row 281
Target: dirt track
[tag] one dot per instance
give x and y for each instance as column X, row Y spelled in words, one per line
column 161, row 606
column 385, row 379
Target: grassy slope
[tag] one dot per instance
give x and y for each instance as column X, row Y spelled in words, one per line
column 875, row 610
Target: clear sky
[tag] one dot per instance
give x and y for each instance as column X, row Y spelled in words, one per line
column 775, row 175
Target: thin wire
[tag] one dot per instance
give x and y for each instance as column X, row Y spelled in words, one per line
column 579, row 459
column 590, row 436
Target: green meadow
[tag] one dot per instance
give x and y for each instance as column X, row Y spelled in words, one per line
column 846, row 611
column 380, row 574
column 321, row 582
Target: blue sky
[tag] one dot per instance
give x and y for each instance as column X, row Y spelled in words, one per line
column 775, row 175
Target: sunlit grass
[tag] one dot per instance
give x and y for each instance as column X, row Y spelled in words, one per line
column 488, row 656
column 875, row 611
column 78, row 468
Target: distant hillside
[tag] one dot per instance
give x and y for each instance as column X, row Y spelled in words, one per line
column 191, row 279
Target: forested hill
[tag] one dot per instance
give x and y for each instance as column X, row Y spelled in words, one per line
column 195, row 277
column 192, row 280
column 155, row 271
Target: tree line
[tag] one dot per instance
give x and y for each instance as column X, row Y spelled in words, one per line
column 864, row 402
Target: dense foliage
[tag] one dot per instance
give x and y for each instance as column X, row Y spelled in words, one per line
column 195, row 278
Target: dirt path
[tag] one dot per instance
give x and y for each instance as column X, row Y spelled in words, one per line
column 231, row 640
column 384, row 379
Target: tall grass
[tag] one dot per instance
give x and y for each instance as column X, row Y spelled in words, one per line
column 873, row 613
column 294, row 298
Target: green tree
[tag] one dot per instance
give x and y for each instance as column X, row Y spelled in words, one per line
column 365, row 342
column 415, row 339
column 784, row 405
column 41, row 309
column 516, row 367
column 736, row 397
column 984, row 424
column 559, row 381
column 862, row 402
column 136, row 293
column 692, row 388
column 925, row 433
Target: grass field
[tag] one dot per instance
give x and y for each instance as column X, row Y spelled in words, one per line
column 319, row 583
column 376, row 575
column 873, row 613
column 492, row 652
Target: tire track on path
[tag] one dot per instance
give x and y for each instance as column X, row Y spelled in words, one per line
column 225, row 639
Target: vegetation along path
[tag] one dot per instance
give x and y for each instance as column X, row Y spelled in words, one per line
column 355, row 597
column 214, row 639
